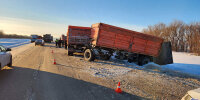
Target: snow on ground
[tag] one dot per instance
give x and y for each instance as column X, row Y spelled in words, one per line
column 185, row 62
column 10, row 43
column 185, row 68
column 186, row 58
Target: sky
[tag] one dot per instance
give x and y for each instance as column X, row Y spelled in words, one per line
column 28, row 17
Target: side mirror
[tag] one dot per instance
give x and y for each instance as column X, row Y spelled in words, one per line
column 8, row 49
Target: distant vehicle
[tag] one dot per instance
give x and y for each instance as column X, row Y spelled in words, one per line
column 192, row 95
column 5, row 57
column 39, row 42
column 33, row 38
column 47, row 38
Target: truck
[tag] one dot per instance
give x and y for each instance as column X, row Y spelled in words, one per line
column 47, row 38
column 33, row 38
column 78, row 38
column 102, row 40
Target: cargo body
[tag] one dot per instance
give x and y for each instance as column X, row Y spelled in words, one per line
column 78, row 38
column 116, row 38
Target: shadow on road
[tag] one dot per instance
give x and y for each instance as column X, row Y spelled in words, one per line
column 21, row 83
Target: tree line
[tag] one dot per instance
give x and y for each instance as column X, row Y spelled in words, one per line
column 3, row 35
column 183, row 37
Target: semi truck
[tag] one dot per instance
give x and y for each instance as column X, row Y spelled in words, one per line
column 47, row 38
column 102, row 40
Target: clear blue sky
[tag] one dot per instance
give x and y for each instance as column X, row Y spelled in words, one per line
column 139, row 13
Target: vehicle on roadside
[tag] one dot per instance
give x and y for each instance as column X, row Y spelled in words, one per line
column 192, row 95
column 102, row 40
column 5, row 57
column 33, row 38
column 48, row 38
column 39, row 42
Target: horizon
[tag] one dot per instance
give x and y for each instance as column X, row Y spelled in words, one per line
column 53, row 17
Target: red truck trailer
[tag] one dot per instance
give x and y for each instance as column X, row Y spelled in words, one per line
column 78, row 38
column 102, row 40
column 137, row 46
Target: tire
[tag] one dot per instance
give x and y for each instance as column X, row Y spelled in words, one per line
column 89, row 55
column 10, row 64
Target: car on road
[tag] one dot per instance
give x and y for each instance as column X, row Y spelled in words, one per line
column 39, row 42
column 5, row 57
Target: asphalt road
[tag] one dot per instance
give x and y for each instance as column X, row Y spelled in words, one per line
column 34, row 77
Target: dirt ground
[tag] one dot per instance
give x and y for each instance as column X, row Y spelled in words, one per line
column 148, row 82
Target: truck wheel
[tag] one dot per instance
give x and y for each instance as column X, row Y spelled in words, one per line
column 10, row 64
column 88, row 55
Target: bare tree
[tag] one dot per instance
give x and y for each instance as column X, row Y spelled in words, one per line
column 184, row 37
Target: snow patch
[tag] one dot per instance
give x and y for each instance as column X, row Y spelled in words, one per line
column 193, row 69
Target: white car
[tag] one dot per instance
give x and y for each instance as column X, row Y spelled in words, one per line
column 5, row 57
